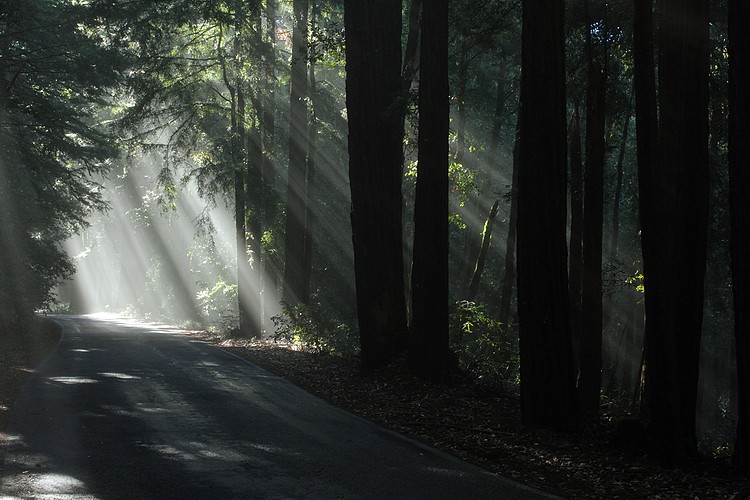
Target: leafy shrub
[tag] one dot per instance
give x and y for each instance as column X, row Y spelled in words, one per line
column 315, row 328
column 484, row 347
column 218, row 304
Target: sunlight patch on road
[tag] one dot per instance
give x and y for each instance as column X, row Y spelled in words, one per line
column 73, row 380
column 31, row 484
column 155, row 410
column 59, row 483
column 170, row 451
column 195, row 451
column 273, row 449
column 106, row 316
column 9, row 439
column 121, row 376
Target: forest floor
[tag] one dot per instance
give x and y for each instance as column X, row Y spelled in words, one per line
column 477, row 425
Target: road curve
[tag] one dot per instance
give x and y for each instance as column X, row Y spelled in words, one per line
column 122, row 410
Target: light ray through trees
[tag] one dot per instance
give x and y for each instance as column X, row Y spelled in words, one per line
column 171, row 262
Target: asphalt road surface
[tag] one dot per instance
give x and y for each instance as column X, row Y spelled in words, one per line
column 133, row 411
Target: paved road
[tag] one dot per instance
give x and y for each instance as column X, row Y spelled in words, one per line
column 121, row 410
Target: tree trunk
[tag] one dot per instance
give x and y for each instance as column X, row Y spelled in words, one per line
column 482, row 257
column 295, row 289
column 675, row 258
column 590, row 347
column 429, row 355
column 270, row 269
column 237, row 133
column 411, row 51
column 739, row 171
column 255, row 225
column 614, row 241
column 547, row 376
column 312, row 151
column 510, row 246
column 373, row 88
column 576, row 232
column 644, row 89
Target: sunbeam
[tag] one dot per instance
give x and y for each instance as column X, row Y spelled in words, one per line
column 170, row 260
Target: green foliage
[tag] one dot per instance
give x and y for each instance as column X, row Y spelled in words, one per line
column 462, row 180
column 314, row 328
column 484, row 347
column 57, row 75
column 636, row 280
column 218, row 303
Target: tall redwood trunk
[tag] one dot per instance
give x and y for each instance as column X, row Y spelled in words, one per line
column 296, row 290
column 675, row 222
column 644, row 88
column 429, row 354
column 312, row 152
column 271, row 269
column 510, row 247
column 373, row 90
column 575, row 257
column 547, row 376
column 739, row 171
column 620, row 177
column 234, row 84
column 590, row 347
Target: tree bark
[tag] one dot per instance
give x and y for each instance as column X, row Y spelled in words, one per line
column 411, row 51
column 739, row 171
column 575, row 258
column 270, row 268
column 644, row 89
column 510, row 246
column 312, row 152
column 547, row 376
column 430, row 355
column 476, row 277
column 238, row 156
column 590, row 347
column 676, row 216
column 373, row 89
column 295, row 289
column 614, row 240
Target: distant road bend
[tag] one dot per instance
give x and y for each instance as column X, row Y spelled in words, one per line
column 122, row 410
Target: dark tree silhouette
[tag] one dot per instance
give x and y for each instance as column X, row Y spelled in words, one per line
column 673, row 175
column 373, row 89
column 590, row 347
column 510, row 243
column 575, row 258
column 429, row 277
column 296, row 277
column 547, row 374
column 739, row 172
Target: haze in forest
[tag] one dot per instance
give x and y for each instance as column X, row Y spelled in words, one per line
column 245, row 167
